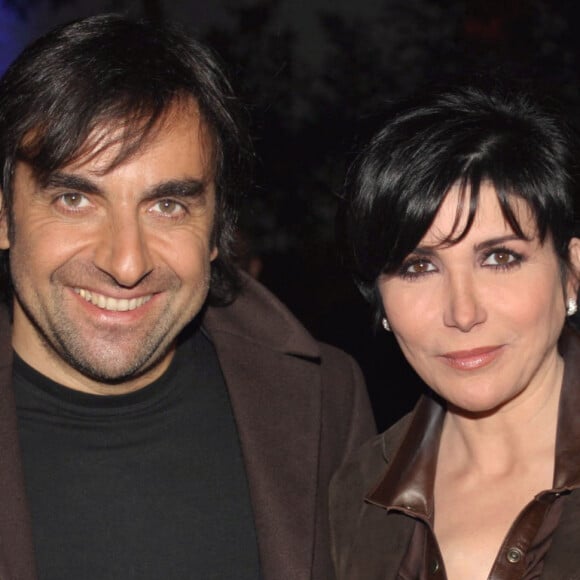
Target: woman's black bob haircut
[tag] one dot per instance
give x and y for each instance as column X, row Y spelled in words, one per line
column 110, row 71
column 456, row 137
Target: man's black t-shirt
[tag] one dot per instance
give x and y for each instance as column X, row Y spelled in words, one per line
column 150, row 485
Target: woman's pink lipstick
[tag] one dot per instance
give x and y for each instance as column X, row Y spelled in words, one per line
column 476, row 358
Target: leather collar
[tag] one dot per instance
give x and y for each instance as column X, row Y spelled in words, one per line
column 407, row 484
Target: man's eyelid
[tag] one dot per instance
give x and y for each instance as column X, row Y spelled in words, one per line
column 179, row 201
column 180, row 191
column 65, row 203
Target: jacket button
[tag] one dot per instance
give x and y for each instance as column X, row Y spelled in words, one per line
column 514, row 555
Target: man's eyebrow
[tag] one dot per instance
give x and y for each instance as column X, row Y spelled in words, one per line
column 68, row 181
column 185, row 188
column 190, row 188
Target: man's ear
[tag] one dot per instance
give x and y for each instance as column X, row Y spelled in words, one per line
column 4, row 237
column 573, row 281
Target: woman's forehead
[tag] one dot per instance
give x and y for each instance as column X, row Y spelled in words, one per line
column 452, row 220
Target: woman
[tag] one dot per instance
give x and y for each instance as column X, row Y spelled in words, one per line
column 460, row 224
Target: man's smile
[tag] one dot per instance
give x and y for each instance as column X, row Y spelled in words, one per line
column 128, row 265
column 110, row 303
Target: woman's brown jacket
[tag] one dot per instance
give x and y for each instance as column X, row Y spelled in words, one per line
column 369, row 541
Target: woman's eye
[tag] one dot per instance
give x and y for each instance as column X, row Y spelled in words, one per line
column 416, row 267
column 501, row 258
column 420, row 267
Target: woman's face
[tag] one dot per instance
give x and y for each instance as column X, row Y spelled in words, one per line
column 479, row 320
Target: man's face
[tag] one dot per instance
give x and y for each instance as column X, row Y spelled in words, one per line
column 109, row 265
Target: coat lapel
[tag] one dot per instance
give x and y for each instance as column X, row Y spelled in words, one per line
column 270, row 365
column 16, row 551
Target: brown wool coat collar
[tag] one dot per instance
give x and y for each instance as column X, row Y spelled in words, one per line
column 269, row 325
column 277, row 405
column 16, row 554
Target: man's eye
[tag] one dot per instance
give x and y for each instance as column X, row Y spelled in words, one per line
column 169, row 207
column 73, row 200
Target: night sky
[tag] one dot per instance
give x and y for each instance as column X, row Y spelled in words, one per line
column 198, row 16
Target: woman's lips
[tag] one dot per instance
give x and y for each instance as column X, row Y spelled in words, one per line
column 476, row 358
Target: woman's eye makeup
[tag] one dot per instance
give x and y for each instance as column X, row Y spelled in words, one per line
column 416, row 266
column 498, row 258
column 502, row 258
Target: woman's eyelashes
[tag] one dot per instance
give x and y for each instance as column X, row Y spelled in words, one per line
column 500, row 258
column 415, row 267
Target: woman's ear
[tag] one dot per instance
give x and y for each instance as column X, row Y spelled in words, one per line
column 573, row 280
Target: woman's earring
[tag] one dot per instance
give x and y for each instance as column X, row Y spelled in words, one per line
column 571, row 307
column 386, row 324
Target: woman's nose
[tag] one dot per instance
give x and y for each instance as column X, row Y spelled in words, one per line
column 464, row 308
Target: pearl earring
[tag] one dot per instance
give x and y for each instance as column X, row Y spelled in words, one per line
column 386, row 324
column 571, row 307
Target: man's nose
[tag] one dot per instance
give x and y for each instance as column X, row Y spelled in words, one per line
column 464, row 307
column 123, row 251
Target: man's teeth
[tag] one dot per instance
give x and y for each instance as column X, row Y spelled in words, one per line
column 114, row 304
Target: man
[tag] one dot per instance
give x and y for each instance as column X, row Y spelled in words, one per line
column 162, row 416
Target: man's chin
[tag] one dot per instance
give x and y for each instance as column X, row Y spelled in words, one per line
column 129, row 374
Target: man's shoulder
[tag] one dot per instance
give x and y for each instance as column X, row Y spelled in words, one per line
column 5, row 342
column 366, row 466
column 258, row 329
column 259, row 317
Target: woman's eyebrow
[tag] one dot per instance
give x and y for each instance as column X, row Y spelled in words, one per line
column 497, row 241
column 490, row 243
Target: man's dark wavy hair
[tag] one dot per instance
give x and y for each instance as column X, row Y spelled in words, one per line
column 110, row 70
column 465, row 135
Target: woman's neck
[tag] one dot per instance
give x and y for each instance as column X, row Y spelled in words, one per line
column 508, row 437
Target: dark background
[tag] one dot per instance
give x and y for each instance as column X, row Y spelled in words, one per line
column 313, row 76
